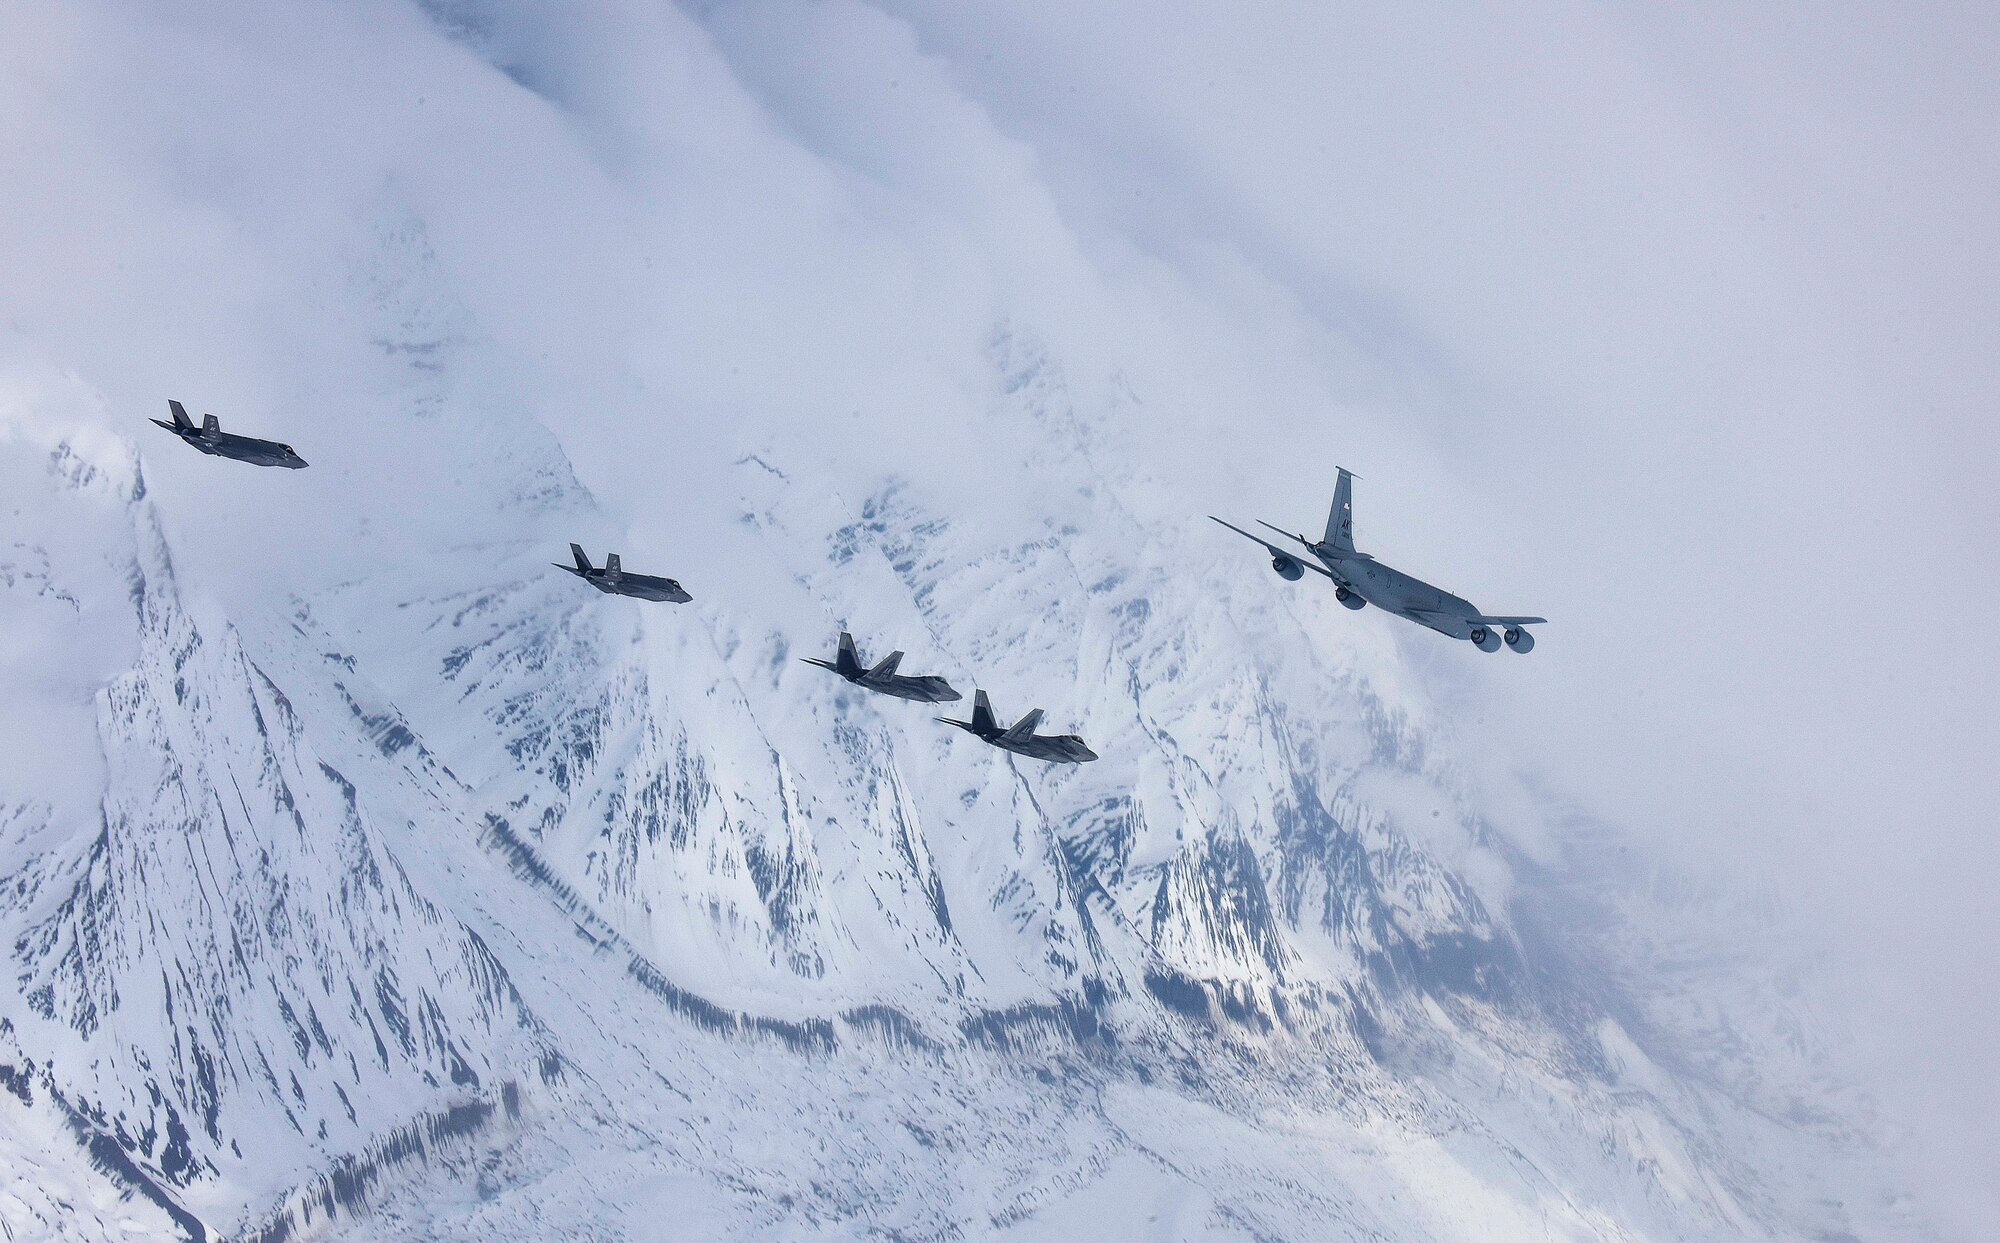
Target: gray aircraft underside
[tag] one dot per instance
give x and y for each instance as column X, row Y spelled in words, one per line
column 1360, row 580
column 611, row 579
column 1021, row 738
column 212, row 440
column 883, row 678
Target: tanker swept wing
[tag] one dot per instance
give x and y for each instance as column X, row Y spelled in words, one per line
column 212, row 440
column 612, row 580
column 1360, row 580
column 883, row 677
column 1021, row 737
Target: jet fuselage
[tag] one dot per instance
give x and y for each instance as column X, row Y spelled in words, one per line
column 882, row 677
column 1405, row 595
column 1361, row 580
column 1052, row 748
column 218, row 443
column 638, row 586
column 928, row 688
column 1021, row 739
column 611, row 579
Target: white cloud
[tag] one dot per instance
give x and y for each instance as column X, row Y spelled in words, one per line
column 1673, row 325
column 1689, row 312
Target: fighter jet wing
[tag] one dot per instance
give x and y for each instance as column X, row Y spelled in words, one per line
column 1286, row 553
column 1024, row 729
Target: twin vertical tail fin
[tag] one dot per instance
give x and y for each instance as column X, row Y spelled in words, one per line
column 1024, row 729
column 182, row 423
column 611, row 567
column 211, row 427
column 582, row 562
column 846, row 662
column 1340, row 519
column 982, row 714
column 886, row 667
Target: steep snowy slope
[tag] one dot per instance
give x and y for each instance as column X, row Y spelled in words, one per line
column 224, row 960
column 370, row 878
column 407, row 845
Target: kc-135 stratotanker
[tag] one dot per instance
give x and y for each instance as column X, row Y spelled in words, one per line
column 883, row 678
column 612, row 580
column 212, row 440
column 1360, row 580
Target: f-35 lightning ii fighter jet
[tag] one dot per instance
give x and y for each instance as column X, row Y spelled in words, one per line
column 1021, row 738
column 929, row 689
column 212, row 440
column 1360, row 580
column 612, row 580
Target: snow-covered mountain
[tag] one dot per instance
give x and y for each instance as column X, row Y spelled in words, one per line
column 367, row 878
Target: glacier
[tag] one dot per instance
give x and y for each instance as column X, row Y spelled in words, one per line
column 365, row 878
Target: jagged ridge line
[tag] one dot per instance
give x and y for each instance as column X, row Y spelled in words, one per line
column 1081, row 1021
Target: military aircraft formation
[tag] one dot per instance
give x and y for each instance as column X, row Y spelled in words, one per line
column 1358, row 581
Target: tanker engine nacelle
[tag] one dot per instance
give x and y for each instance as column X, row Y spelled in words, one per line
column 1288, row 569
column 1349, row 597
column 1520, row 640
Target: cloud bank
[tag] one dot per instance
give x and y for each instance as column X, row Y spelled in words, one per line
column 1671, row 324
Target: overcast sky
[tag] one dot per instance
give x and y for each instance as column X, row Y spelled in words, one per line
column 1702, row 300
column 1672, row 323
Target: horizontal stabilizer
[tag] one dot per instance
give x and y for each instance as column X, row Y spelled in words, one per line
column 1287, row 534
column 1315, row 549
column 1282, row 552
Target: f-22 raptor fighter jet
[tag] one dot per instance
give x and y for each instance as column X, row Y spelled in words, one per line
column 883, row 678
column 1021, row 737
column 612, row 579
column 1360, row 580
column 212, row 440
